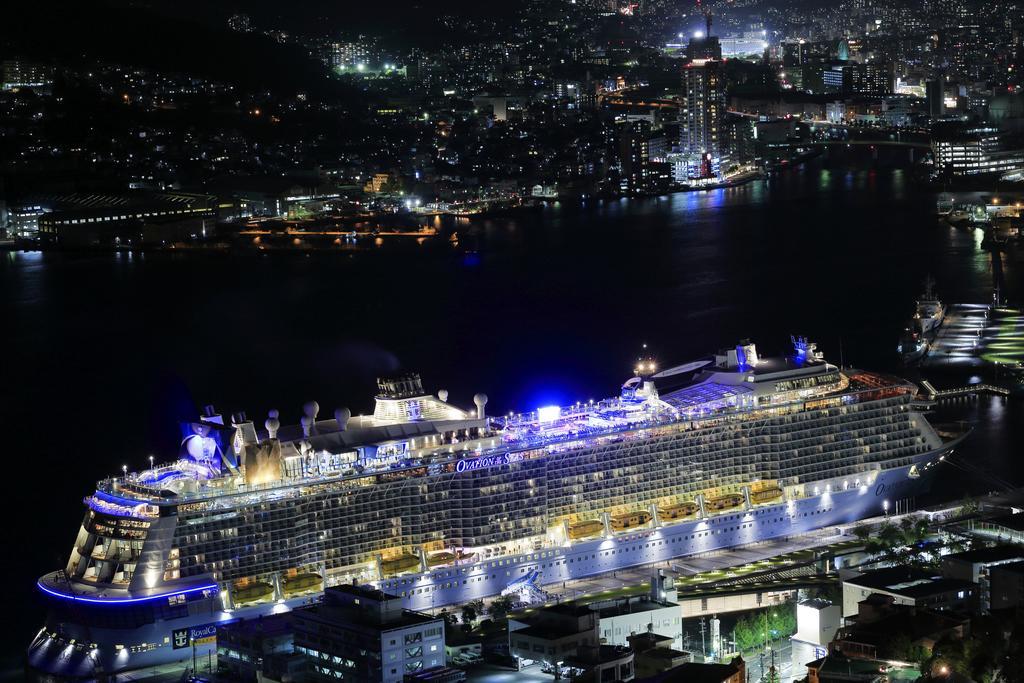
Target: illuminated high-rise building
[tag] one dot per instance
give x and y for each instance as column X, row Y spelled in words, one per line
column 701, row 111
column 634, row 153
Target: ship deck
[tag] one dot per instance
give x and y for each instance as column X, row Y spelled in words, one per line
column 56, row 584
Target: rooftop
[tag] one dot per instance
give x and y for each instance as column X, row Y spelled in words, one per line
column 1013, row 567
column 632, row 606
column 693, row 672
column 909, row 583
column 999, row 553
column 1014, row 522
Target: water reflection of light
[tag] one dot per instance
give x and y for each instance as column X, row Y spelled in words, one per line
column 28, row 256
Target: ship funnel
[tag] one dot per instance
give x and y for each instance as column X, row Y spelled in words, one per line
column 342, row 416
column 480, row 400
column 211, row 416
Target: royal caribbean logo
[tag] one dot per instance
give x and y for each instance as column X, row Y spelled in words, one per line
column 193, row 635
column 179, row 638
column 489, row 461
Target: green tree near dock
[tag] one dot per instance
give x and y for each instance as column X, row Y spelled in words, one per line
column 754, row 630
column 903, row 543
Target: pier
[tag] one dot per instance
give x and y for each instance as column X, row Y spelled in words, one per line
column 977, row 335
column 956, row 392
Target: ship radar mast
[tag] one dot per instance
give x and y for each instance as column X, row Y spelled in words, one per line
column 929, row 288
column 804, row 350
column 645, row 365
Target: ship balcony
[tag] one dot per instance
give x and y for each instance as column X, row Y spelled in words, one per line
column 91, row 590
column 121, row 555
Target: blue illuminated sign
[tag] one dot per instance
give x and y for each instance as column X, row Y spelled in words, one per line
column 489, row 461
column 193, row 635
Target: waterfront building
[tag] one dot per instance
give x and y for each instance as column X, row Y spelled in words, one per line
column 1006, row 586
column 260, row 648
column 836, row 668
column 907, row 586
column 553, row 634
column 437, row 505
column 634, row 156
column 24, row 219
column 817, row 621
column 658, row 659
column 881, row 622
column 656, row 613
column 701, row 112
column 973, row 151
column 88, row 220
column 695, row 672
column 361, row 633
column 739, row 141
column 978, row 566
column 624, row 617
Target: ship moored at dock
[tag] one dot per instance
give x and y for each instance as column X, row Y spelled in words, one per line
column 439, row 504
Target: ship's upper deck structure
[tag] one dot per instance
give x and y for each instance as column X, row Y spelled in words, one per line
column 412, row 430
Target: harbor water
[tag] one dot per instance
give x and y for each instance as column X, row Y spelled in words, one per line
column 103, row 354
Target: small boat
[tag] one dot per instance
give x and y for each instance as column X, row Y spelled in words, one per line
column 765, row 495
column 302, row 583
column 254, row 591
column 929, row 314
column 591, row 527
column 397, row 565
column 628, row 520
column 447, row 557
column 725, row 502
column 677, row 510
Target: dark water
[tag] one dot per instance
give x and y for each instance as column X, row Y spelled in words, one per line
column 102, row 354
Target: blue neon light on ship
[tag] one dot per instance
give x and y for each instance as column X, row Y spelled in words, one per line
column 121, row 601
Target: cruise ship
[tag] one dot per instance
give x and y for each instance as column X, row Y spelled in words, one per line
column 440, row 504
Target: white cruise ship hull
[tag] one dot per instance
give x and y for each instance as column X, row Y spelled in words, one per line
column 840, row 501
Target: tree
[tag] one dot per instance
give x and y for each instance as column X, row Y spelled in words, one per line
column 782, row 621
column 748, row 633
column 501, row 606
column 449, row 619
column 903, row 543
column 904, row 649
column 471, row 610
column 969, row 507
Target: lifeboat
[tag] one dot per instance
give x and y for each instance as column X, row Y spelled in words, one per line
column 677, row 510
column 590, row 527
column 725, row 502
column 628, row 520
column 446, row 557
column 302, row 583
column 441, row 558
column 765, row 495
column 402, row 563
column 254, row 591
